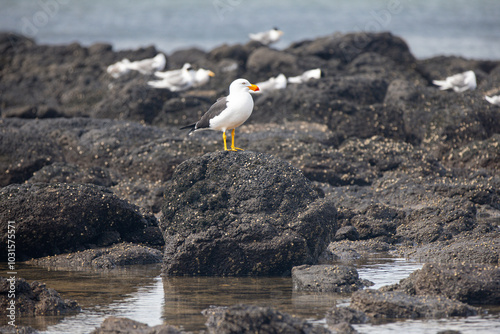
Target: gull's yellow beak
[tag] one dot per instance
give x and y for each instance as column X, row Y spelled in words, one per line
column 211, row 74
column 254, row 88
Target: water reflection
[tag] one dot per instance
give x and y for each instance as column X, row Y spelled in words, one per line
column 186, row 297
column 99, row 293
column 142, row 294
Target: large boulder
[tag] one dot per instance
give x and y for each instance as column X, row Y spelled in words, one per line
column 59, row 218
column 241, row 213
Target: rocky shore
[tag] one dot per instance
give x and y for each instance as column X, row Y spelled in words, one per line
column 369, row 158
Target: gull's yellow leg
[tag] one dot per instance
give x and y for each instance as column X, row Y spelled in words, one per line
column 224, row 137
column 233, row 148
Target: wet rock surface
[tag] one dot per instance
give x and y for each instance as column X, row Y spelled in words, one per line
column 327, row 278
column 123, row 254
column 249, row 319
column 377, row 304
column 475, row 284
column 33, row 299
column 225, row 213
column 115, row 325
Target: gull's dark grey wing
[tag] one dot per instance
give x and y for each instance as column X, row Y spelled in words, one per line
column 215, row 110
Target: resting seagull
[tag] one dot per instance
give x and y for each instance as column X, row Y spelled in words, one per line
column 306, row 76
column 145, row 66
column 459, row 82
column 182, row 79
column 267, row 37
column 228, row 112
column 175, row 80
column 271, row 84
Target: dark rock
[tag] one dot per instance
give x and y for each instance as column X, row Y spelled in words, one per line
column 118, row 255
column 34, row 299
column 477, row 284
column 60, row 172
column 242, row 213
column 115, row 325
column 56, row 218
column 131, row 158
column 343, row 328
column 13, row 43
column 256, row 319
column 440, row 67
column 327, row 278
column 265, row 61
column 178, row 58
column 347, row 47
column 23, row 153
column 17, row 330
column 133, row 100
column 338, row 315
column 441, row 119
column 236, row 52
column 347, row 250
column 481, row 246
column 347, row 232
column 378, row 304
column 478, row 154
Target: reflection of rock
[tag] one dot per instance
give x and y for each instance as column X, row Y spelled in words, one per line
column 33, row 299
column 240, row 214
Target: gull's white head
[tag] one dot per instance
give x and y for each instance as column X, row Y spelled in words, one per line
column 242, row 85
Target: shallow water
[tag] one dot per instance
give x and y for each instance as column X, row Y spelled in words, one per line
column 142, row 294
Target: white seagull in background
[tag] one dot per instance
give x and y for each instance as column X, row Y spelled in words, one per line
column 271, row 84
column 119, row 68
column 228, row 112
column 145, row 66
column 493, row 99
column 267, row 37
column 202, row 77
column 306, row 76
column 174, row 73
column 182, row 79
column 175, row 80
column 459, row 82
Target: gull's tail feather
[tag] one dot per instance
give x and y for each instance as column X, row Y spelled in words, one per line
column 443, row 84
column 192, row 127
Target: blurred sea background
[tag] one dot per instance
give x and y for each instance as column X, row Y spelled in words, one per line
column 467, row 28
